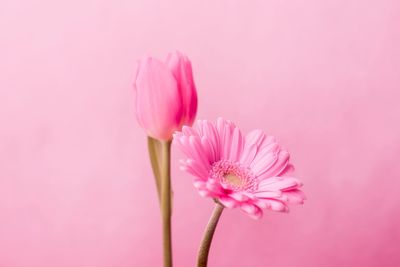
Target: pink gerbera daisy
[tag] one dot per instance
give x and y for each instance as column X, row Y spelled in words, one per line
column 238, row 171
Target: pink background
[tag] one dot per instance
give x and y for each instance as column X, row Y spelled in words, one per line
column 75, row 184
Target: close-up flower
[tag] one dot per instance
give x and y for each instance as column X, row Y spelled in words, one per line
column 166, row 97
column 245, row 171
column 104, row 161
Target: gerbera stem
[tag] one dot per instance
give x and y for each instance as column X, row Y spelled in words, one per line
column 202, row 257
column 166, row 202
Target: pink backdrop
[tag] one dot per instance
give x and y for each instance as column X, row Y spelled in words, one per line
column 75, row 184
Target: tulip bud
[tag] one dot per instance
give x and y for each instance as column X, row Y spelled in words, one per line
column 165, row 95
column 181, row 67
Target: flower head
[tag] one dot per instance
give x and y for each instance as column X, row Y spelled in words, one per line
column 238, row 171
column 166, row 97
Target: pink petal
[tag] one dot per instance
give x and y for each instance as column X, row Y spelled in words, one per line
column 262, row 203
column 225, row 129
column 199, row 184
column 278, row 183
column 294, row 196
column 288, row 169
column 248, row 154
column 186, row 147
column 227, row 142
column 268, row 194
column 193, row 172
column 159, row 106
column 208, row 148
column 181, row 142
column 236, row 146
column 238, row 196
column 181, row 68
column 265, row 158
column 277, row 205
column 255, row 137
column 214, row 187
column 252, row 210
column 227, row 202
column 198, row 152
column 202, row 170
column 188, row 131
column 258, row 215
column 267, row 141
column 205, row 193
column 263, row 162
column 277, row 167
column 210, row 131
column 253, row 141
column 248, row 208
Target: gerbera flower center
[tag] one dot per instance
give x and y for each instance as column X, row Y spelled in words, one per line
column 233, row 179
column 233, row 176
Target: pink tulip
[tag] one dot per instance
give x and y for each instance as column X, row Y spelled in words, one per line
column 166, row 96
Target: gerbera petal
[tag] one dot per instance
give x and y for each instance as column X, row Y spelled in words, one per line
column 294, row 196
column 275, row 205
column 268, row 194
column 236, row 145
column 277, row 167
column 278, row 183
column 227, row 142
column 225, row 130
column 181, row 141
column 188, row 131
column 214, row 186
column 248, row 208
column 208, row 148
column 252, row 210
column 263, row 163
column 255, row 137
column 202, row 170
column 239, row 196
column 262, row 203
column 248, row 154
column 198, row 151
column 198, row 126
column 190, row 170
column 267, row 141
column 205, row 193
column 265, row 159
column 212, row 135
column 220, row 127
column 198, row 184
column 228, row 202
column 289, row 169
column 258, row 215
column 188, row 149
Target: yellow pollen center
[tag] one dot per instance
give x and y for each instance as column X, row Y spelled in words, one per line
column 233, row 179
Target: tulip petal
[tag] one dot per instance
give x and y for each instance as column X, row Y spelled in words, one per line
column 181, row 67
column 158, row 101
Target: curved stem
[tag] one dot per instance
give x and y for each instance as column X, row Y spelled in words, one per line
column 202, row 257
column 166, row 201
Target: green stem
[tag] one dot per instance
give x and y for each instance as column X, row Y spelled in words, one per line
column 166, row 201
column 202, row 257
column 154, row 152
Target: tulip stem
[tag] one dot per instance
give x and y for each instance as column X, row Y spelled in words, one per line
column 166, row 201
column 153, row 146
column 205, row 245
